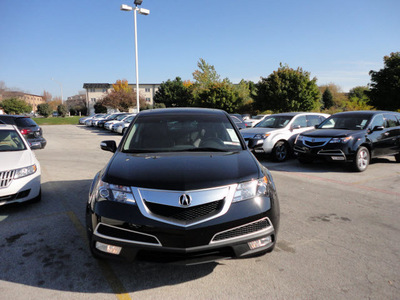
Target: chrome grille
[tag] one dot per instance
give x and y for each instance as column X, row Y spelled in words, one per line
column 315, row 142
column 242, row 230
column 186, row 213
column 6, row 178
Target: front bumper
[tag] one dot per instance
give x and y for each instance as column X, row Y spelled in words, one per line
column 332, row 152
column 224, row 237
column 21, row 190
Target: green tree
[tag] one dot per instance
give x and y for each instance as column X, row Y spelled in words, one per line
column 327, row 99
column 15, row 106
column 288, row 90
column 358, row 99
column 62, row 110
column 44, row 109
column 220, row 95
column 99, row 108
column 205, row 75
column 385, row 86
column 173, row 93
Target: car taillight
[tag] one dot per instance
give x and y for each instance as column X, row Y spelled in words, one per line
column 25, row 131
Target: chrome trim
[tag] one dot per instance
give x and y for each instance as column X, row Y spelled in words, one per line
column 315, row 140
column 6, row 177
column 269, row 229
column 123, row 240
column 171, row 198
column 332, row 152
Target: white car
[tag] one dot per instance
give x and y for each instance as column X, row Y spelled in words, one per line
column 19, row 168
column 275, row 134
column 108, row 125
column 121, row 128
column 255, row 120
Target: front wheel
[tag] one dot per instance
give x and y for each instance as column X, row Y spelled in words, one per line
column 280, row 151
column 361, row 161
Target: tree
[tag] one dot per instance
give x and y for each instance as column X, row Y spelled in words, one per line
column 174, row 93
column 47, row 96
column 62, row 110
column 15, row 106
column 327, row 99
column 205, row 75
column 385, row 86
column 122, row 97
column 358, row 99
column 288, row 90
column 220, row 95
column 44, row 109
column 99, row 108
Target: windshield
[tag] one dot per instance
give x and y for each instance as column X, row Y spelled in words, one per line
column 348, row 122
column 120, row 117
column 175, row 133
column 10, row 141
column 274, row 122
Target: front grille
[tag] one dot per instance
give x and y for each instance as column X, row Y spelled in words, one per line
column 185, row 213
column 6, row 178
column 315, row 142
column 242, row 230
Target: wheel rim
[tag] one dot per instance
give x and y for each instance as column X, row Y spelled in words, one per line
column 362, row 159
column 281, row 152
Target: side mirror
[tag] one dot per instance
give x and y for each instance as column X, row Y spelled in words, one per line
column 295, row 127
column 316, row 126
column 378, row 128
column 108, row 146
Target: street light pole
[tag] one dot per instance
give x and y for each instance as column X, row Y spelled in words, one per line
column 61, row 88
column 141, row 11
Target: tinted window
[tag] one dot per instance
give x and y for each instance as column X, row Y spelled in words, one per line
column 314, row 120
column 167, row 133
column 347, row 121
column 274, row 122
column 378, row 121
column 391, row 120
column 25, row 122
column 301, row 120
column 7, row 120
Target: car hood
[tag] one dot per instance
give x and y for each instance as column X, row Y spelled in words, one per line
column 331, row 132
column 183, row 171
column 15, row 159
column 250, row 132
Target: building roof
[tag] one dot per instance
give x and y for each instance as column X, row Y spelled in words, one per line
column 96, row 85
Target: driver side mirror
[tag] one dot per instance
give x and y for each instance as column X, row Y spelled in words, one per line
column 108, row 146
column 378, row 128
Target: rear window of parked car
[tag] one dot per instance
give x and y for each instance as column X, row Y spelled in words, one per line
column 25, row 122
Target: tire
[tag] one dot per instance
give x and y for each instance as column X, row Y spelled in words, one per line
column 281, row 151
column 361, row 160
column 397, row 157
column 305, row 159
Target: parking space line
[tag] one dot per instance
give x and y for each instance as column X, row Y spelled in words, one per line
column 112, row 279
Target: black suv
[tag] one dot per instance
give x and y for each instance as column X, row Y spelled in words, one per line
column 353, row 137
column 28, row 128
column 182, row 187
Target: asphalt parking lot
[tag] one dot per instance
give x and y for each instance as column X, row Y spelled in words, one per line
column 339, row 237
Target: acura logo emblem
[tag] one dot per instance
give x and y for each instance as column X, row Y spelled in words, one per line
column 185, row 200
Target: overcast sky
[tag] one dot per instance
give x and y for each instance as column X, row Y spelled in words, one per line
column 92, row 41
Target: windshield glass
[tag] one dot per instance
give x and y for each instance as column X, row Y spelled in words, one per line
column 174, row 133
column 120, row 117
column 274, row 122
column 348, row 122
column 10, row 141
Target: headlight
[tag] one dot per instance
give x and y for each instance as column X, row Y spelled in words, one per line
column 262, row 136
column 251, row 189
column 340, row 140
column 113, row 192
column 299, row 138
column 22, row 172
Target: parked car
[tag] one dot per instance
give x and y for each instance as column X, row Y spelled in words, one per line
column 255, row 120
column 122, row 127
column 19, row 168
column 119, row 118
column 102, row 121
column 275, row 134
column 182, row 185
column 90, row 121
column 238, row 121
column 83, row 119
column 28, row 128
column 353, row 137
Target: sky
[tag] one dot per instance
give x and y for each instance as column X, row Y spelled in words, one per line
column 49, row 44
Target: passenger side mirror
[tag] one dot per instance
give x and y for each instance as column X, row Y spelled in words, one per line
column 108, row 146
column 295, row 127
column 378, row 128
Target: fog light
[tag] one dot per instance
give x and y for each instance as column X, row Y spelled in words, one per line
column 108, row 248
column 260, row 243
column 337, row 157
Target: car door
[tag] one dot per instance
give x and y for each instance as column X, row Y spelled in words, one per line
column 298, row 126
column 393, row 134
column 378, row 135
